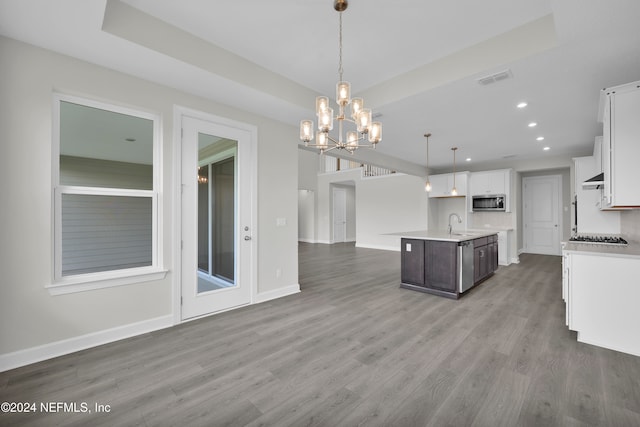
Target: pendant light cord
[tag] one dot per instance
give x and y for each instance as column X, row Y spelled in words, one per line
column 427, row 136
column 454, row 167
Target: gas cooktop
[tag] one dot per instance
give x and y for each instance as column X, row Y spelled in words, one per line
column 600, row 240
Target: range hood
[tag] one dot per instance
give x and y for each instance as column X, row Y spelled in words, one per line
column 594, row 183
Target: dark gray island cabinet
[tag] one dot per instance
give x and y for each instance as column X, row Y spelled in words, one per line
column 447, row 265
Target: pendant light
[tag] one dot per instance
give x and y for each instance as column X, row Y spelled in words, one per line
column 454, row 190
column 427, row 185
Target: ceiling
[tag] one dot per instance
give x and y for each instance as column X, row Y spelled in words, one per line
column 414, row 62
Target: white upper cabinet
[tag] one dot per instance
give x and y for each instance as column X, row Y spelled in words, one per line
column 441, row 185
column 620, row 107
column 490, row 182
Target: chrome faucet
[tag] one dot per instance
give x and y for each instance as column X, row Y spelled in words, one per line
column 459, row 221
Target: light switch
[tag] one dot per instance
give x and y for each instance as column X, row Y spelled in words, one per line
column 281, row 222
column 408, row 247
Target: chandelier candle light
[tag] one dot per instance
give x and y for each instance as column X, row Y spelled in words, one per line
column 360, row 116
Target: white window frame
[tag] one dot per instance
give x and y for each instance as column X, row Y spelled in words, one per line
column 98, row 280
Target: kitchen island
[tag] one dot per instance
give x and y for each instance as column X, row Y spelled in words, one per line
column 447, row 264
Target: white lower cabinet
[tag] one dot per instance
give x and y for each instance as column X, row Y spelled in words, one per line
column 503, row 248
column 566, row 268
column 602, row 294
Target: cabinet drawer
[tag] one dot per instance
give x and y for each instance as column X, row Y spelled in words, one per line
column 482, row 241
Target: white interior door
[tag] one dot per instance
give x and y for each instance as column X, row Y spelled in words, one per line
column 217, row 261
column 541, row 196
column 339, row 215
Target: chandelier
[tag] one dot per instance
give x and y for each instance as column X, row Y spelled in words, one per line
column 359, row 116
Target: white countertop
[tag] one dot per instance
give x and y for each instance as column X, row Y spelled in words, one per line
column 493, row 228
column 632, row 250
column 443, row 235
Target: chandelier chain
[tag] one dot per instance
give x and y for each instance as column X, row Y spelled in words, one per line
column 340, row 70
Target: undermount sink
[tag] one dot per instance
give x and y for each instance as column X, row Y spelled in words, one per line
column 463, row 234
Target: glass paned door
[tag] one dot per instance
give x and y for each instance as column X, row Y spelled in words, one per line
column 217, row 248
column 216, row 218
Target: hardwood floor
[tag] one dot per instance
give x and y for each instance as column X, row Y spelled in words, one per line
column 352, row 349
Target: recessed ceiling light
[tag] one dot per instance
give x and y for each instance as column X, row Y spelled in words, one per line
column 547, row 148
column 521, row 105
column 532, row 124
column 468, row 159
column 540, row 138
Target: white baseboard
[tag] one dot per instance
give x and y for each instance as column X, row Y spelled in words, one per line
column 380, row 247
column 515, row 260
column 276, row 293
column 326, row 242
column 60, row 348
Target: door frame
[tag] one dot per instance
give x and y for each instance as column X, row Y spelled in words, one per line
column 179, row 112
column 558, row 183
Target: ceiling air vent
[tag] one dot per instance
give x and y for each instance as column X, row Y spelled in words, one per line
column 493, row 78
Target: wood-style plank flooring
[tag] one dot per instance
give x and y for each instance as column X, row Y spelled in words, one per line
column 352, row 349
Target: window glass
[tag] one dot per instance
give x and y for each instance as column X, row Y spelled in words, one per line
column 105, row 213
column 101, row 148
column 104, row 233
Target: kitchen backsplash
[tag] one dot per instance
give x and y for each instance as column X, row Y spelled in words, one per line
column 494, row 219
column 630, row 225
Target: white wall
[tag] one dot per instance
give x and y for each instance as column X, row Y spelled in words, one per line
column 389, row 204
column 29, row 315
column 442, row 207
column 630, row 225
column 384, row 204
column 308, row 167
column 306, row 216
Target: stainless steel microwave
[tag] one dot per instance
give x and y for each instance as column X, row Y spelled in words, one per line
column 490, row 202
